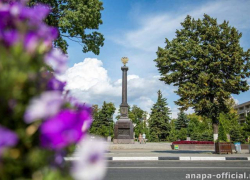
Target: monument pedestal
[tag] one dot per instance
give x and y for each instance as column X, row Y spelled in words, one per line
column 123, row 132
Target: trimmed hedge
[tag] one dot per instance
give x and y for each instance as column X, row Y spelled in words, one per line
column 193, row 142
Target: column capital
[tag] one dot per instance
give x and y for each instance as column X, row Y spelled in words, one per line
column 124, row 68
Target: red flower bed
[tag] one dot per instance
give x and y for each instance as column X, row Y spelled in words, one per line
column 193, row 142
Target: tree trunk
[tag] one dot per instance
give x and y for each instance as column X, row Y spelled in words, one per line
column 215, row 129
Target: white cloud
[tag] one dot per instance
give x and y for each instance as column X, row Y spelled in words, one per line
column 141, row 43
column 154, row 28
column 144, row 103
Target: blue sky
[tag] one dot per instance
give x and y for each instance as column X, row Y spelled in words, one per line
column 135, row 28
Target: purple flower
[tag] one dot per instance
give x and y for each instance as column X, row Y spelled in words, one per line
column 91, row 163
column 55, row 84
column 19, row 23
column 84, row 110
column 58, row 160
column 10, row 37
column 57, row 60
column 12, row 1
column 7, row 138
column 63, row 129
column 47, row 105
column 31, row 42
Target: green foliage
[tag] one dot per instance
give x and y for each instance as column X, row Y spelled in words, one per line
column 232, row 127
column 207, row 63
column 103, row 124
column 228, row 120
column 159, row 119
column 182, row 134
column 236, row 134
column 199, row 128
column 145, row 130
column 173, row 136
column 246, row 127
column 222, row 137
column 76, row 21
column 137, row 115
column 22, row 78
column 182, row 121
column 106, row 113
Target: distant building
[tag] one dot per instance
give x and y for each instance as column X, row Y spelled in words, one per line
column 243, row 111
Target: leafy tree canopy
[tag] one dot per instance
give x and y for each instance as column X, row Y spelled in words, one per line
column 207, row 63
column 199, row 128
column 222, row 134
column 103, row 122
column 138, row 114
column 76, row 20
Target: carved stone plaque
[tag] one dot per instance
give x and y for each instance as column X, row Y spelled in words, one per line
column 124, row 132
column 124, row 125
column 124, row 111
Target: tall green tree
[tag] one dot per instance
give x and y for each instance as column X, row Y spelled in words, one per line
column 137, row 114
column 182, row 121
column 199, row 128
column 222, row 136
column 103, row 120
column 207, row 63
column 237, row 134
column 159, row 119
column 106, row 113
column 76, row 21
column 173, row 136
column 246, row 127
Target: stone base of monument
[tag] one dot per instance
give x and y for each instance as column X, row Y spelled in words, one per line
column 123, row 141
column 123, row 132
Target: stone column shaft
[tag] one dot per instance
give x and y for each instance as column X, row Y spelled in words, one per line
column 124, row 85
column 124, row 104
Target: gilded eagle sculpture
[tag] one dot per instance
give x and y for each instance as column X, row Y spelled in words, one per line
column 124, row 60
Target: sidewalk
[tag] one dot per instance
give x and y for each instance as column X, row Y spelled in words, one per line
column 138, row 146
column 163, row 151
column 171, row 153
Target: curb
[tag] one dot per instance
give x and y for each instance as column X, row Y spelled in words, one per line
column 183, row 158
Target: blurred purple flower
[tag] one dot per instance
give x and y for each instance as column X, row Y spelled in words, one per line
column 38, row 13
column 72, row 100
column 91, row 164
column 55, row 84
column 79, row 106
column 10, row 37
column 57, row 60
column 16, row 18
column 83, row 109
column 12, row 1
column 31, row 42
column 47, row 105
column 63, row 129
column 7, row 138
